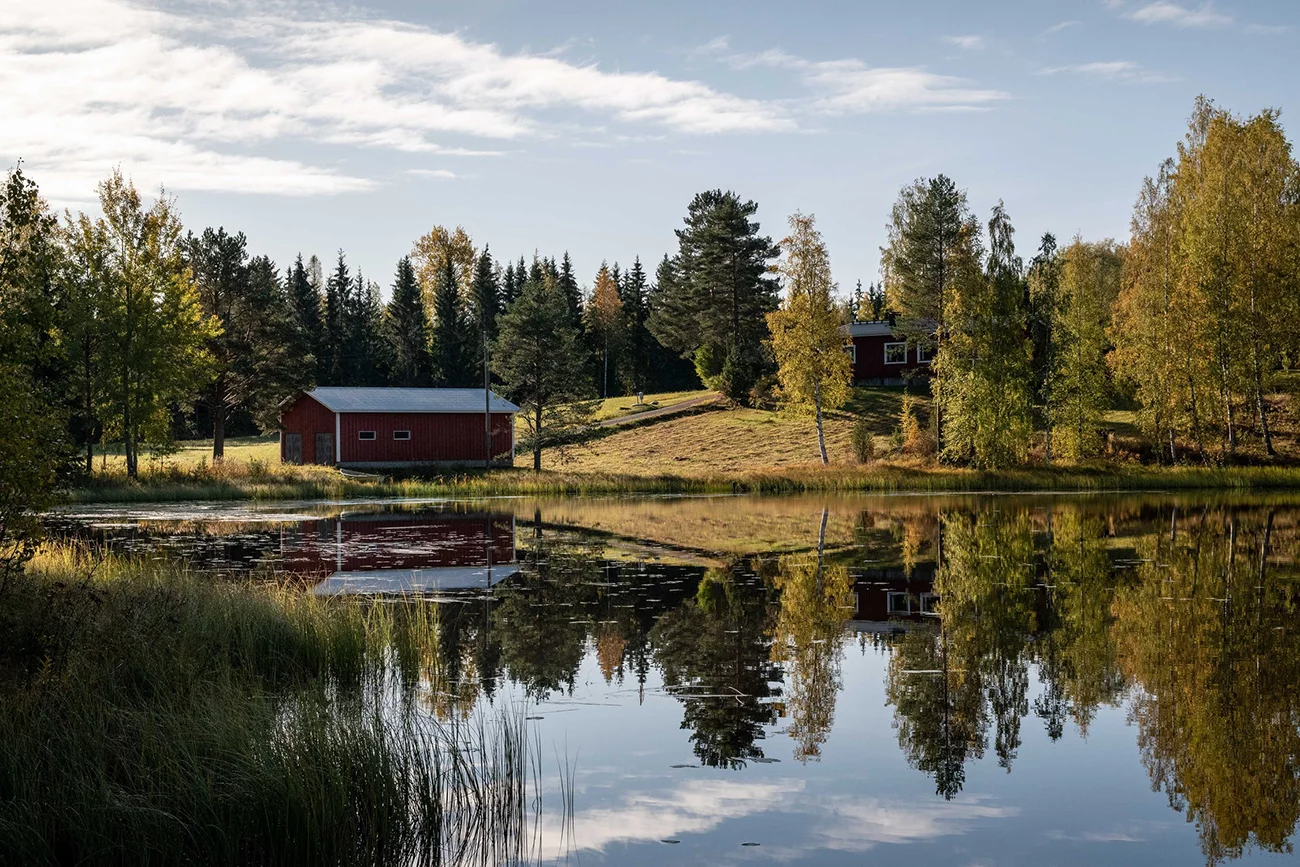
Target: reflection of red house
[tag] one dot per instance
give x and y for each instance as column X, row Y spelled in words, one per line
column 395, row 427
column 880, row 357
column 408, row 552
column 888, row 600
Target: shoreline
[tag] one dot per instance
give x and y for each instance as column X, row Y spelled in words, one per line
column 327, row 485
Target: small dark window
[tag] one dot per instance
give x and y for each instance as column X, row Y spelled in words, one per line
column 401, row 434
column 365, row 434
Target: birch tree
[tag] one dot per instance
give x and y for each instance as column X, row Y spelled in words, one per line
column 807, row 336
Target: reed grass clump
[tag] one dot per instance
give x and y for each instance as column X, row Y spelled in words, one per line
column 150, row 717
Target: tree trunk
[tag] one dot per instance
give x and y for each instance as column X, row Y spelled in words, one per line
column 1261, row 408
column 537, row 439
column 821, row 435
column 219, row 422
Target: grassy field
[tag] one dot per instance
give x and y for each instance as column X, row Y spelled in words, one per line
column 710, row 449
column 622, row 407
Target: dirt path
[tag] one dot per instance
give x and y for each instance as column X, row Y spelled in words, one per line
column 655, row 413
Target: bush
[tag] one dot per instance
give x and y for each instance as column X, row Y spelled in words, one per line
column 864, row 443
column 915, row 439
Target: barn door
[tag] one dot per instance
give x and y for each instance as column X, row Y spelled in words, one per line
column 293, row 448
column 324, row 448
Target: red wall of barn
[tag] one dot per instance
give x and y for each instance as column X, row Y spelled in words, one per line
column 435, row 436
column 869, row 362
column 308, row 417
column 317, row 547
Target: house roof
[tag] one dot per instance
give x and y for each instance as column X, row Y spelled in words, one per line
column 869, row 329
column 341, row 399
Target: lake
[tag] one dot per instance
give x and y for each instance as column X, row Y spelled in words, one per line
column 888, row 680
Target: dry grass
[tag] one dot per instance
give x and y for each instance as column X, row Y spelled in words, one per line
column 191, row 453
column 619, row 407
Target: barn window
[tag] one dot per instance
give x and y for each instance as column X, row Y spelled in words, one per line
column 895, row 353
column 365, row 434
column 924, row 354
column 401, row 434
column 852, row 352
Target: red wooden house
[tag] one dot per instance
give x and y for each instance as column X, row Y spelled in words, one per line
column 881, row 357
column 396, row 427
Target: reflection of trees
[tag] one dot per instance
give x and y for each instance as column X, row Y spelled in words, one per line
column 809, row 634
column 1209, row 632
column 716, row 646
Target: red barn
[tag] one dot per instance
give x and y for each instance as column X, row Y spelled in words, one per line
column 396, row 427
column 882, row 358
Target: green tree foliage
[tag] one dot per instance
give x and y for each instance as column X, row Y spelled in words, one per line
column 407, row 330
column 258, row 358
column 365, row 351
column 337, row 289
column 454, row 355
column 542, row 364
column 302, row 286
column 1044, row 278
column 486, row 301
column 711, row 305
column 155, row 352
column 982, row 372
column 1210, row 283
column 567, row 281
column 1079, row 381
column 807, row 331
column 638, row 358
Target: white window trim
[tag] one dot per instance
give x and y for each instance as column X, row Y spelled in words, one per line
column 928, row 354
column 887, row 348
column 891, row 595
column 361, row 435
column 403, row 439
column 852, row 350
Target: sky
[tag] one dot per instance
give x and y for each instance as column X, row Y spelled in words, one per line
column 588, row 126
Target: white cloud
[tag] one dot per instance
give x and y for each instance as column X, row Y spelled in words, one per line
column 1057, row 28
column 970, row 42
column 852, row 87
column 1165, row 12
column 195, row 99
column 1111, row 70
column 440, row 174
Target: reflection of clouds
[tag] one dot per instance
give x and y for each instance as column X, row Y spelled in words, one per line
column 840, row 823
column 694, row 808
column 857, row 825
column 1132, row 832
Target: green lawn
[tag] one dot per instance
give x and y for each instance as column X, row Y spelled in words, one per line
column 618, row 407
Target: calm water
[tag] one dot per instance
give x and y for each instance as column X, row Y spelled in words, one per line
column 900, row 680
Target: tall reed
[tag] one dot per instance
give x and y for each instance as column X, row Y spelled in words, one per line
column 149, row 716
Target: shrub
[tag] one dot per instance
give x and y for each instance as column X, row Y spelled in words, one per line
column 915, row 439
column 864, row 443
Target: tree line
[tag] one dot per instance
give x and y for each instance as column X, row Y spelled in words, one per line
column 1192, row 320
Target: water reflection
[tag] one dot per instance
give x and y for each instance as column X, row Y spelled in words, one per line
column 1002, row 635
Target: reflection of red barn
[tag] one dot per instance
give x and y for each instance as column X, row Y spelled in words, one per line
column 889, row 600
column 395, row 427
column 880, row 357
column 394, row 543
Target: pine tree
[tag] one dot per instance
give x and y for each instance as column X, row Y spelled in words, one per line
column 453, row 356
column 715, row 306
column 508, row 288
column 338, row 288
column 407, row 330
column 568, row 284
column 807, row 335
column 367, row 359
column 637, row 339
column 305, row 302
column 542, row 364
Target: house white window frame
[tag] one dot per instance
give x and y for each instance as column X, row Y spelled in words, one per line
column 852, row 351
column 406, row 435
column 889, row 346
column 890, row 608
column 362, row 435
column 928, row 604
column 924, row 354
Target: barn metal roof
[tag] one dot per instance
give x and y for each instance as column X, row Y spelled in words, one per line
column 341, row 399
column 869, row 329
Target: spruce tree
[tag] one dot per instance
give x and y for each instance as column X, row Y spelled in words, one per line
column 485, row 292
column 714, row 307
column 568, row 284
column 305, row 302
column 453, row 356
column 407, row 330
column 367, row 358
column 637, row 339
column 543, row 365
column 337, row 289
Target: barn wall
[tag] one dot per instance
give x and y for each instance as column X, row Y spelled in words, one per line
column 435, row 437
column 320, row 548
column 306, row 416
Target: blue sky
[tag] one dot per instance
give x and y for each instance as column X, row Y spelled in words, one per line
column 588, row 126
